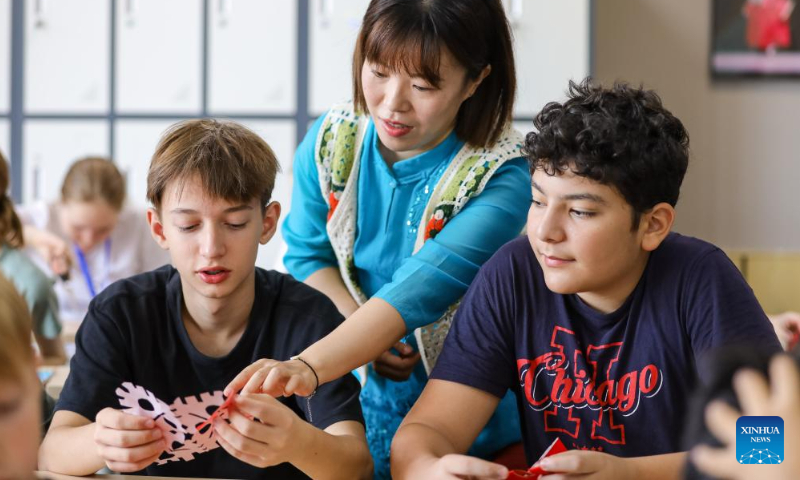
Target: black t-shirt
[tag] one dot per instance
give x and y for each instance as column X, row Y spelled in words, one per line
column 618, row 382
column 133, row 332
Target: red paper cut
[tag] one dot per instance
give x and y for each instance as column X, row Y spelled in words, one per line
column 220, row 412
column 536, row 471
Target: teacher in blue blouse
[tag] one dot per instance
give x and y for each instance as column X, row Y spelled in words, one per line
column 399, row 198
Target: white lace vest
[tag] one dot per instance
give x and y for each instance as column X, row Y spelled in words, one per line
column 338, row 158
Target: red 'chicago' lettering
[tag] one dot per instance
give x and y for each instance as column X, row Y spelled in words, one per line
column 568, row 377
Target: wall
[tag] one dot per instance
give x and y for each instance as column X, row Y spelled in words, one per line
column 744, row 174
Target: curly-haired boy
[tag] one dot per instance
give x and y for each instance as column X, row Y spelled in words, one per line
column 596, row 319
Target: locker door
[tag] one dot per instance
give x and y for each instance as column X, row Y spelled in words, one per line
column 551, row 47
column 5, row 56
column 159, row 56
column 280, row 135
column 5, row 138
column 333, row 26
column 135, row 142
column 50, row 147
column 66, row 56
column 252, row 55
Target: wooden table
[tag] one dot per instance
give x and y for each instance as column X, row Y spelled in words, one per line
column 68, row 331
column 55, row 383
column 56, row 476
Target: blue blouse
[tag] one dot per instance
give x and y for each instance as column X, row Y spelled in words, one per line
column 422, row 286
column 391, row 201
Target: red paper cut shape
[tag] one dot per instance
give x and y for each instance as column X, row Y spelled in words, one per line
column 536, row 471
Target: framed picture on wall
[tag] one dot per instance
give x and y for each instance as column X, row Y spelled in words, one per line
column 755, row 38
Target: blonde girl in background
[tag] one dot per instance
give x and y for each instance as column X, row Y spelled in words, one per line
column 29, row 280
column 89, row 238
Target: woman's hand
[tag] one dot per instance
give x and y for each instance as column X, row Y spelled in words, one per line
column 292, row 377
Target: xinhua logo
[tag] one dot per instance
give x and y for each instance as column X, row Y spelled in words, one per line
column 759, row 440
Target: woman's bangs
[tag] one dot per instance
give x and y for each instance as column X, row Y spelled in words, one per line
column 412, row 49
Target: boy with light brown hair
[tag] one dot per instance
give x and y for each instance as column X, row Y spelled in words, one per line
column 189, row 328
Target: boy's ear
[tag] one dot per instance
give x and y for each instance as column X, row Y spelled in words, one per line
column 157, row 228
column 656, row 225
column 270, row 222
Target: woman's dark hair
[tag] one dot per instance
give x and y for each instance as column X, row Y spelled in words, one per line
column 620, row 136
column 409, row 35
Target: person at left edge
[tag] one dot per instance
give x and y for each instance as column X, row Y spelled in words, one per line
column 20, row 389
column 32, row 283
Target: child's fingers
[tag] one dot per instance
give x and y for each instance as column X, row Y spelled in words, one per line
column 785, row 381
column 261, row 406
column 124, row 467
column 248, row 428
column 118, row 420
column 246, row 447
column 268, row 410
column 752, row 391
column 574, row 462
column 247, row 402
column 126, row 438
column 721, row 421
column 133, row 455
column 471, row 467
column 246, row 457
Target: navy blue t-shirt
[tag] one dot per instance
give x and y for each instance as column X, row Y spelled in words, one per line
column 133, row 332
column 617, row 382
